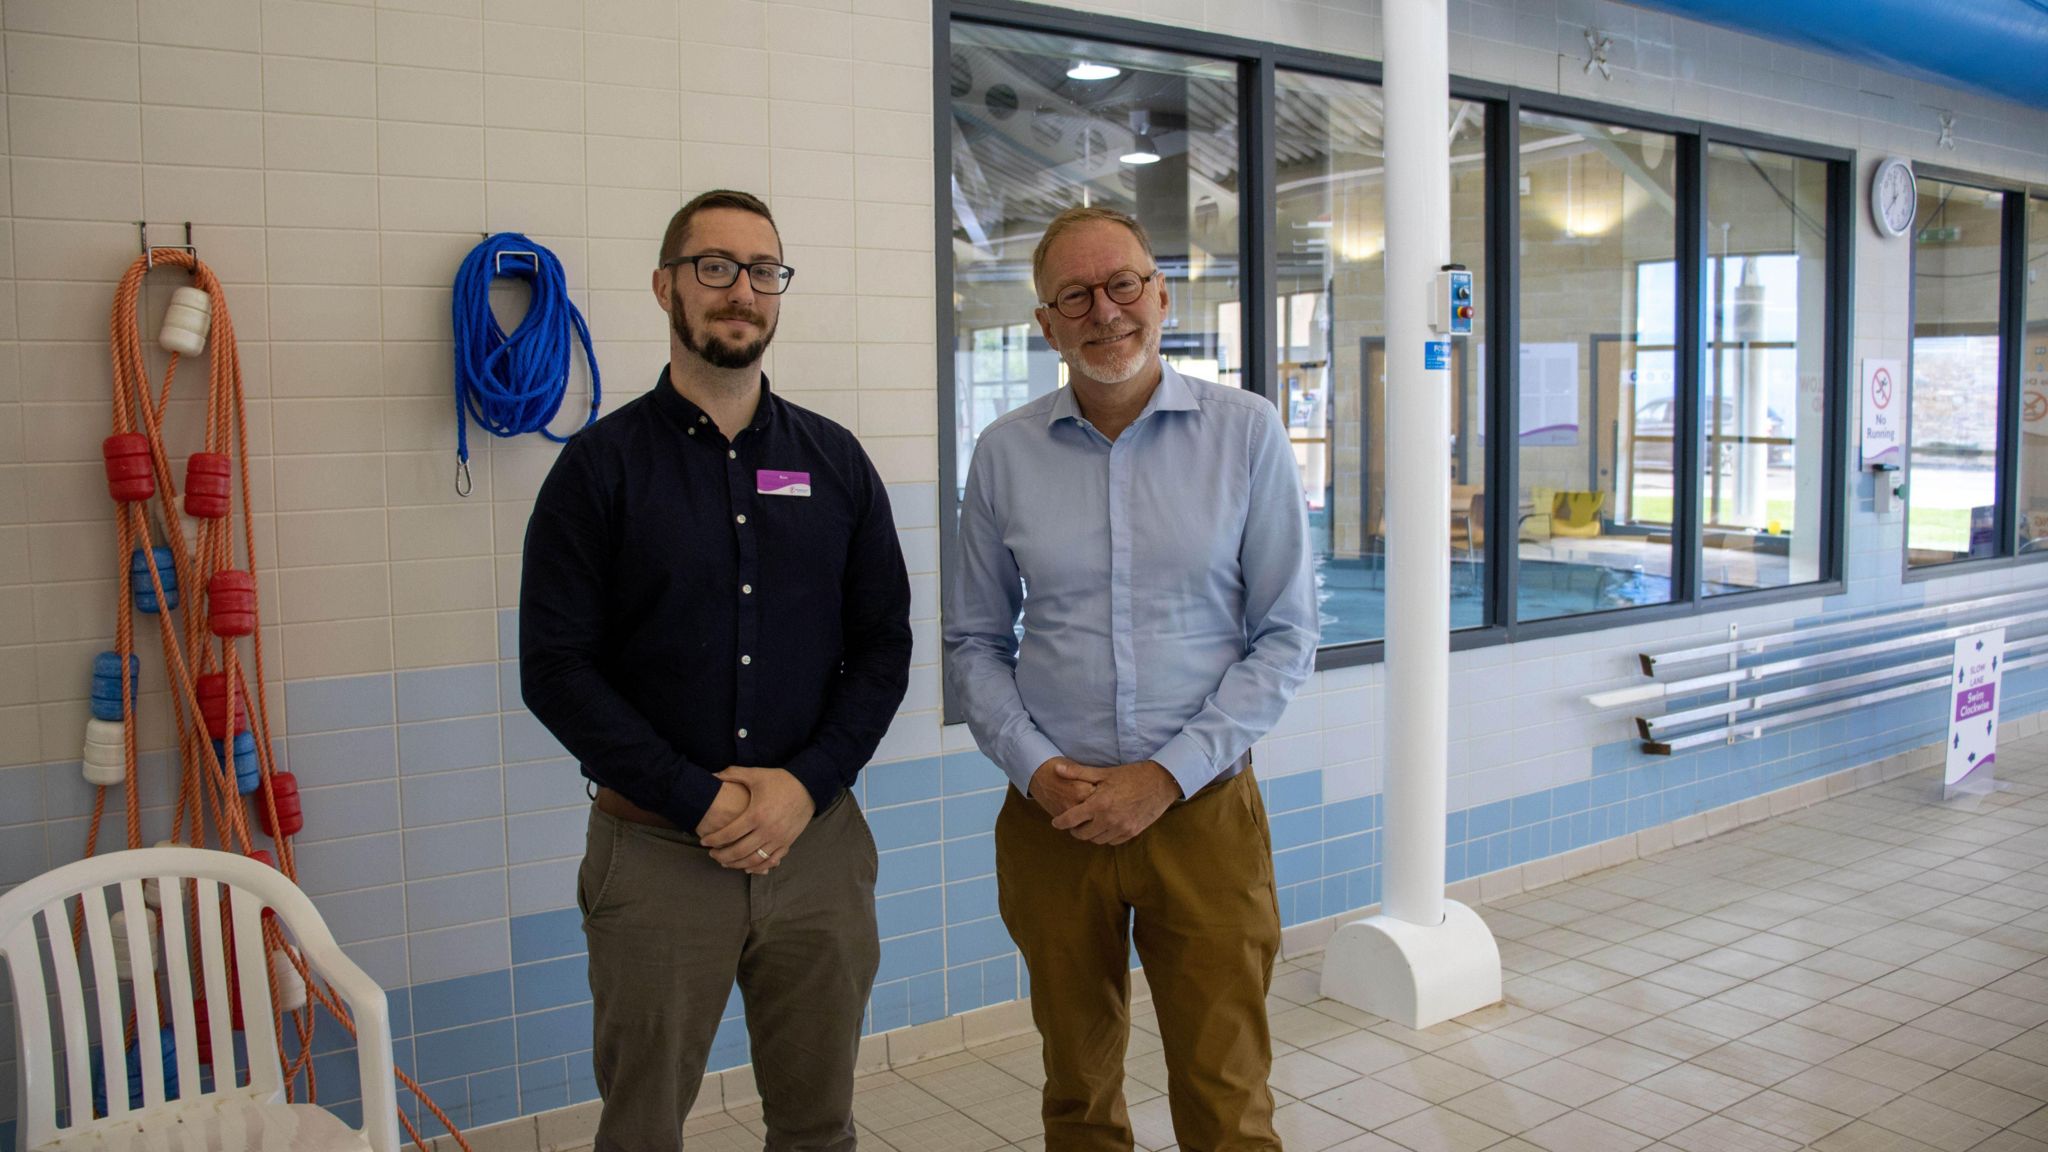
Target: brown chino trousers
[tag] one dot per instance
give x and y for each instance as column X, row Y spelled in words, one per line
column 1195, row 892
column 669, row 930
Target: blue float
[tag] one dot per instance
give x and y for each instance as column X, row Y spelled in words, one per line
column 106, row 684
column 145, row 592
column 168, row 1044
column 248, row 771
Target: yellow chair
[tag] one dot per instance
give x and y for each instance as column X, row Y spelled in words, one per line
column 1535, row 523
column 1576, row 514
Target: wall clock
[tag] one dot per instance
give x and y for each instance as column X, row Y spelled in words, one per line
column 1894, row 197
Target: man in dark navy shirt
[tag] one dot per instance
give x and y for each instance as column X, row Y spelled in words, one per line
column 714, row 620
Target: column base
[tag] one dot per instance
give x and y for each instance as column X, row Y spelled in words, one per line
column 1412, row 975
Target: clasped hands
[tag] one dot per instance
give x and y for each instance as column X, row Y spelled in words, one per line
column 1103, row 805
column 757, row 814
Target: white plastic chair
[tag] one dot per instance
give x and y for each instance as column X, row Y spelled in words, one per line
column 239, row 1111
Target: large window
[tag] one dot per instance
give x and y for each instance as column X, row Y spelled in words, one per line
column 1599, row 324
column 1953, row 477
column 1657, row 429
column 2033, row 509
column 1041, row 123
column 1763, row 386
column 1330, row 343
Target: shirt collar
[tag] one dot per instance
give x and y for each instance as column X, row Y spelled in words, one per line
column 1171, row 395
column 688, row 414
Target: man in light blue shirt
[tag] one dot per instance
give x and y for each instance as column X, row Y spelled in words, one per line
column 1150, row 530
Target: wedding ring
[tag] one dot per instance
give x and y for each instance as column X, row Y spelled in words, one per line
column 762, row 853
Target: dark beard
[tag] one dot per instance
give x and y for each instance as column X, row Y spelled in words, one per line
column 716, row 352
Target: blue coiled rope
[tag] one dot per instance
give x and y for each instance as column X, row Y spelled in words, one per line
column 513, row 384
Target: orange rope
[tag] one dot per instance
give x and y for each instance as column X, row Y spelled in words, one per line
column 206, row 783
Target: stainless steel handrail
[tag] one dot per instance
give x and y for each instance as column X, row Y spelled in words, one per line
column 1720, row 735
column 1766, row 641
column 1765, row 709
column 1661, row 726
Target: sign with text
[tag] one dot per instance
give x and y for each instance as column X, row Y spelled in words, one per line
column 1884, row 413
column 1973, row 709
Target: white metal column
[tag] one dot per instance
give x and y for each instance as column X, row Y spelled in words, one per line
column 1424, row 959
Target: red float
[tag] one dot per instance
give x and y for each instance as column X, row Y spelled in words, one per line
column 220, row 708
column 130, row 475
column 209, row 485
column 284, row 793
column 231, row 602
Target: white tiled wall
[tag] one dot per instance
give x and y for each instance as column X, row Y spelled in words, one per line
column 338, row 159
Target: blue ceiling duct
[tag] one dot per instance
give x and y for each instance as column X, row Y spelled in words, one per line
column 1997, row 47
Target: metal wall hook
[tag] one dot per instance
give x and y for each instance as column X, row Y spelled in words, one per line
column 498, row 258
column 1597, row 47
column 149, row 254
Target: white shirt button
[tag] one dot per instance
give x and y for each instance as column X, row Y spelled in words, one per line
column 731, row 455
column 693, row 431
column 743, row 733
column 746, row 589
column 742, row 517
column 703, row 419
column 746, row 659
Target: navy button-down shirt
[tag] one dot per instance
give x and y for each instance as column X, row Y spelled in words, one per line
column 1163, row 580
column 689, row 603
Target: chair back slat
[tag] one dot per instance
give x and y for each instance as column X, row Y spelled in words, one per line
column 205, row 942
column 252, row 970
column 178, row 983
column 106, row 987
column 37, row 1101
column 212, row 958
column 142, row 954
column 70, row 1008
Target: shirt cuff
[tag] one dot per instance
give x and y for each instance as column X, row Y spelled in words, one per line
column 690, row 796
column 1024, row 756
column 819, row 776
column 1185, row 761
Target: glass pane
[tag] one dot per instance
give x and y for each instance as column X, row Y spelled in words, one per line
column 1330, row 228
column 1761, row 482
column 1034, row 133
column 2034, row 386
column 1597, row 366
column 1952, row 489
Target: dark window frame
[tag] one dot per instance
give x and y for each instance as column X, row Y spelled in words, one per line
column 1257, row 62
column 2035, row 194
column 2012, row 322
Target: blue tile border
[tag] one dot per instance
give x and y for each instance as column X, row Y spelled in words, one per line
column 508, row 1033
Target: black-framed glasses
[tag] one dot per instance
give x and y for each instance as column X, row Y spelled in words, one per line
column 1075, row 300
column 765, row 276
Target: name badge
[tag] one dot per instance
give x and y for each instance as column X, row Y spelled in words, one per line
column 768, row 482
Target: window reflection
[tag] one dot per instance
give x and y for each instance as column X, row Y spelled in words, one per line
column 2033, row 516
column 1952, row 491
column 1329, row 317
column 1042, row 123
column 1761, row 481
column 1599, row 313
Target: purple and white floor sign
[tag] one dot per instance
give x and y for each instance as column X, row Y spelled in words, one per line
column 1973, row 712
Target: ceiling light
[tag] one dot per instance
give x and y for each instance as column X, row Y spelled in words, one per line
column 1142, row 151
column 1088, row 70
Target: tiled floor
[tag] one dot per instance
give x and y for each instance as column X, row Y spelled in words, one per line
column 1866, row 975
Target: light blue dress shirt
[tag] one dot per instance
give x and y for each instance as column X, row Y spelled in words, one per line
column 1164, row 582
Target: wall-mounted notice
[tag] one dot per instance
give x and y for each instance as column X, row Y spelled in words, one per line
column 1884, row 413
column 1550, row 394
column 1973, row 711
column 2034, row 384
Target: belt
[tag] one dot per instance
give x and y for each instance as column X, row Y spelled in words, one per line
column 612, row 804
